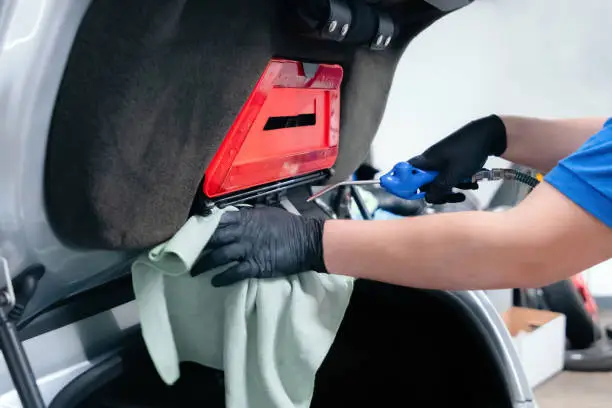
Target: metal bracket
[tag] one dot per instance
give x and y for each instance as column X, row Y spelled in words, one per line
column 288, row 205
column 384, row 34
column 7, row 296
column 273, row 190
column 338, row 22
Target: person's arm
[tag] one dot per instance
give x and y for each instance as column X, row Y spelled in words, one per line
column 563, row 227
column 544, row 239
column 536, row 143
column 541, row 143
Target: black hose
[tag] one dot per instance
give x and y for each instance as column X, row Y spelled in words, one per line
column 363, row 209
column 524, row 178
column 505, row 174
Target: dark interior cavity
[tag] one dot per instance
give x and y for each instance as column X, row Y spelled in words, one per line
column 396, row 347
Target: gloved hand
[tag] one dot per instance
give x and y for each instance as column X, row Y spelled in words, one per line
column 460, row 155
column 267, row 242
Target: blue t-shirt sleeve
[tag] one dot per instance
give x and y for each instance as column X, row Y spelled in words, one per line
column 585, row 176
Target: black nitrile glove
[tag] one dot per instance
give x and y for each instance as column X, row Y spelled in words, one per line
column 458, row 156
column 267, row 242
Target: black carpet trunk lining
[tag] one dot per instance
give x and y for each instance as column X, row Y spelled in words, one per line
column 152, row 86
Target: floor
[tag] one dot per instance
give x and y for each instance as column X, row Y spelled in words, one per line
column 571, row 390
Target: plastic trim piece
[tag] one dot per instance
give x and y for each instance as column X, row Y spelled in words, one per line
column 267, row 190
column 78, row 307
column 448, row 5
column 251, row 156
column 384, row 33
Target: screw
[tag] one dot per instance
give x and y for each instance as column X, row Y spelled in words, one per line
column 332, row 26
column 379, row 40
column 387, row 41
column 345, row 29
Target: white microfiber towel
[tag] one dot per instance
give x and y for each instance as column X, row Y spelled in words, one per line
column 268, row 336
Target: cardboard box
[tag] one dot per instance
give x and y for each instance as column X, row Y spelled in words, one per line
column 539, row 339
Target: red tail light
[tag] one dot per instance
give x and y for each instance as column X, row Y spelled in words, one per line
column 288, row 127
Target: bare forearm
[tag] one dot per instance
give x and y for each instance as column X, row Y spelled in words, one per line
column 445, row 251
column 541, row 143
column 544, row 239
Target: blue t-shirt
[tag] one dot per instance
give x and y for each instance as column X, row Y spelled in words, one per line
column 585, row 176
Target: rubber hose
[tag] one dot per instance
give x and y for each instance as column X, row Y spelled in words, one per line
column 523, row 178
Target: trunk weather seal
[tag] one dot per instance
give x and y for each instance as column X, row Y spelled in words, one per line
column 77, row 307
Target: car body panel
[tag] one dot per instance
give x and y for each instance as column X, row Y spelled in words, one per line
column 35, row 41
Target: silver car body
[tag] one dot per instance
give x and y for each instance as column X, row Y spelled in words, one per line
column 35, row 41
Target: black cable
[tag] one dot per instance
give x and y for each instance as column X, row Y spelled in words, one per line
column 363, row 209
column 524, row 178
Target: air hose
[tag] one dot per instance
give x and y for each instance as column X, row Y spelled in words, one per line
column 505, row 174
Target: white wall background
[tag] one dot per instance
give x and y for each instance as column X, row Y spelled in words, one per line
column 549, row 58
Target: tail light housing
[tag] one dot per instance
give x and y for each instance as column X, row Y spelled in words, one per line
column 288, row 127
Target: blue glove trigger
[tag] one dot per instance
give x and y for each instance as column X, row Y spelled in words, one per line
column 405, row 180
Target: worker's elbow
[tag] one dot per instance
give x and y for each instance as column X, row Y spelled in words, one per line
column 551, row 238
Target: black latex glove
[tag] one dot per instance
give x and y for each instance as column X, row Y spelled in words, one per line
column 458, row 156
column 267, row 242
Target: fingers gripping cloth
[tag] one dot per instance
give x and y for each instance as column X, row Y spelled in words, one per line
column 268, row 336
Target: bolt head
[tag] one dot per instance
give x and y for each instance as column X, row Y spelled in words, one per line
column 387, row 41
column 332, row 26
column 345, row 29
column 379, row 40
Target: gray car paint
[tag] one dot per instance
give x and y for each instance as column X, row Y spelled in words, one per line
column 36, row 36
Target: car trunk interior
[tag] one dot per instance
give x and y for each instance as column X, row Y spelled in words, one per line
column 149, row 92
column 395, row 345
column 152, row 87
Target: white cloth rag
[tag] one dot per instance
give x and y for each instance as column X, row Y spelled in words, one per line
column 268, row 336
